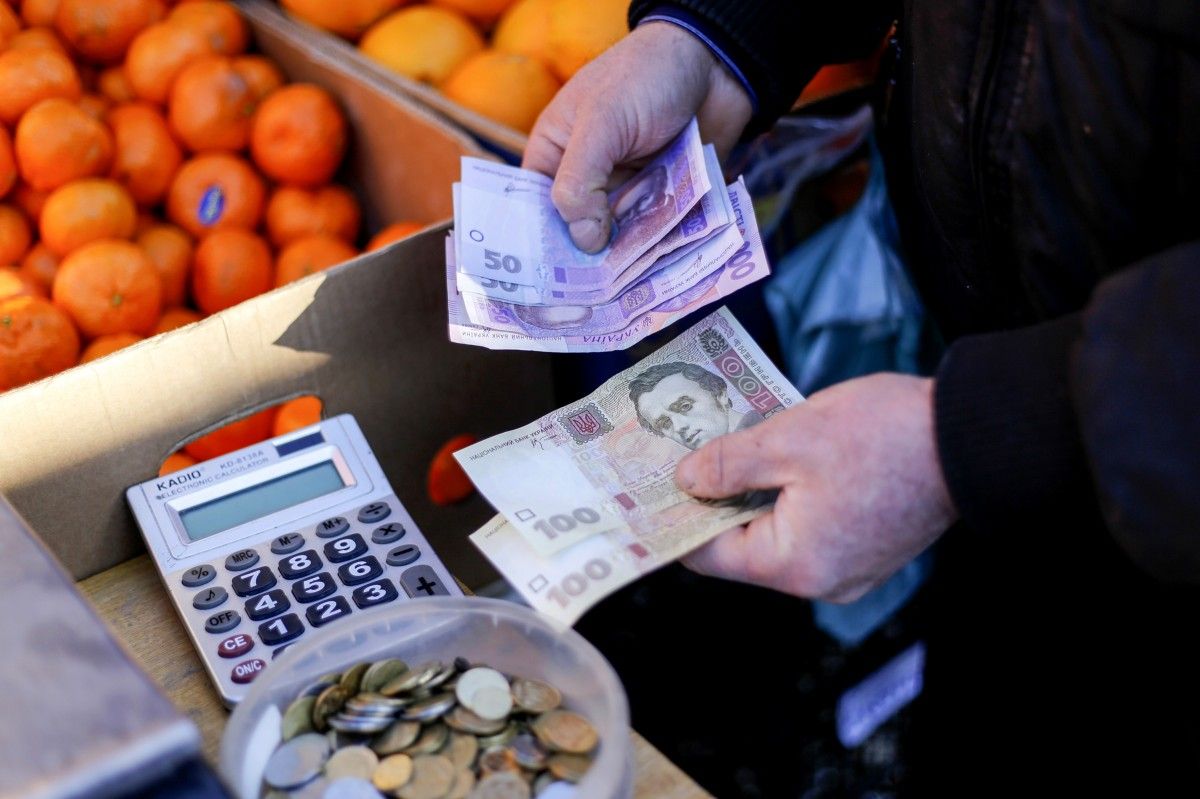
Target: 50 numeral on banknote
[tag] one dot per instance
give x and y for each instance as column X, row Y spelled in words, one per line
column 495, row 260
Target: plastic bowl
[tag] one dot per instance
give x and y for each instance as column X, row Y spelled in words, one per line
column 507, row 637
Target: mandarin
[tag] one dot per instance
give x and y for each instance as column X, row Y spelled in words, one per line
column 215, row 191
column 580, row 30
column 299, row 135
column 57, row 142
column 39, row 266
column 15, row 284
column 101, row 30
column 8, row 162
column 84, row 211
column 28, row 76
column 525, row 29
column 347, row 18
column 230, row 266
column 109, row 286
column 176, row 461
column 233, row 436
column 424, row 43
column 10, row 24
column 36, row 340
column 95, row 105
column 159, row 54
column 114, row 84
column 147, row 155
column 295, row 414
column 15, row 237
column 37, row 37
column 484, row 12
column 29, row 200
column 311, row 254
column 394, row 232
column 174, row 318
column 107, row 345
column 220, row 22
column 170, row 250
column 509, row 88
column 260, row 73
column 39, row 13
column 211, row 105
column 294, row 212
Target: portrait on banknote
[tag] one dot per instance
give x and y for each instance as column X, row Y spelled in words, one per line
column 686, row 403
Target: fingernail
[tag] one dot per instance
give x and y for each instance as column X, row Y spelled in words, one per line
column 683, row 474
column 589, row 235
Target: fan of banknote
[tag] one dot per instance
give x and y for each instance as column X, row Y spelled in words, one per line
column 514, row 280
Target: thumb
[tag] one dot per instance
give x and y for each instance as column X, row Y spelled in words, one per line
column 579, row 191
column 735, row 463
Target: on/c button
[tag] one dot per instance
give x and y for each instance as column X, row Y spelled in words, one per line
column 247, row 670
column 235, row 646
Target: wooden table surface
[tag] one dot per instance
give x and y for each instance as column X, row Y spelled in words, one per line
column 131, row 600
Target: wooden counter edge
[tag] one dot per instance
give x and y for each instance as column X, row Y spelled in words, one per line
column 131, row 600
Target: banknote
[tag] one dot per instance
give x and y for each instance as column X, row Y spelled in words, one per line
column 746, row 265
column 708, row 218
column 509, row 231
column 605, row 464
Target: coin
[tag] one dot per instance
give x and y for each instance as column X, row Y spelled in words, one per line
column 411, row 679
column 432, row 739
column 400, row 735
column 381, row 672
column 553, row 789
column 392, row 773
column 568, row 767
column 318, row 685
column 352, row 677
column 463, row 749
column 328, row 702
column 490, row 702
column 564, row 731
column 375, row 703
column 533, row 696
column 500, row 786
column 359, row 725
column 297, row 719
column 296, row 762
column 352, row 761
column 350, row 788
column 529, row 752
column 441, row 677
column 471, row 681
column 464, row 781
column 502, row 738
column 497, row 759
column 464, row 720
column 429, row 709
column 431, row 778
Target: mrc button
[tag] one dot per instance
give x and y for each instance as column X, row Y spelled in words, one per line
column 331, row 527
column 242, row 559
column 235, row 646
column 247, row 670
column 220, row 622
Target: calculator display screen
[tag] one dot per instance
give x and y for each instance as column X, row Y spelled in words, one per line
column 261, row 500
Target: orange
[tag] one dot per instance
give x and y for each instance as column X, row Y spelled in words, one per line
column 299, row 135
column 174, row 318
column 37, row 37
column 101, row 30
column 261, row 73
column 211, row 104
column 10, row 23
column 8, row 162
column 15, row 284
column 233, row 436
column 508, row 88
column 84, row 211
column 39, row 13
column 57, row 142
column 525, row 29
column 39, row 266
column 347, row 18
column 109, row 286
column 393, row 232
column 446, row 482
column 176, row 461
column 310, row 254
column 231, row 266
column 580, row 30
column 213, row 191
column 107, row 345
column 296, row 413
column 14, row 235
column 220, row 23
column 95, row 105
column 294, row 212
column 29, row 200
column 147, row 155
column 36, row 340
column 30, row 75
column 484, row 12
column 159, row 54
column 423, row 43
column 114, row 84
column 170, row 250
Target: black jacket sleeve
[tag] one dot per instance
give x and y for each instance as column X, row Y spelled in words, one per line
column 1100, row 408
column 780, row 45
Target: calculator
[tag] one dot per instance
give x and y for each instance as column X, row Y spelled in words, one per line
column 260, row 547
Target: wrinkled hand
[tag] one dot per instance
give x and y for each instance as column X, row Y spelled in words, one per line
column 862, row 490
column 626, row 105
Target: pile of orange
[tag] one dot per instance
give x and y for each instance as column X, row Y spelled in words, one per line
column 504, row 59
column 152, row 172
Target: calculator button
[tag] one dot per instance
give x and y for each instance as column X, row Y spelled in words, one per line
column 333, row 527
column 313, row 588
column 299, row 565
column 287, row 543
column 247, row 670
column 281, row 630
column 277, row 652
column 345, row 548
column 327, row 610
column 254, row 582
column 388, row 533
column 422, row 581
column 242, row 559
column 210, row 598
column 235, row 646
column 198, row 576
column 220, row 622
column 375, row 594
column 360, row 571
column 403, row 555
column 375, row 512
column 269, row 604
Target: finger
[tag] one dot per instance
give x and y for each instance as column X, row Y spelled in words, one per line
column 757, row 458
column 724, row 556
column 544, row 151
column 579, row 186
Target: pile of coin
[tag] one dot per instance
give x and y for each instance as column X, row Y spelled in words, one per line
column 436, row 731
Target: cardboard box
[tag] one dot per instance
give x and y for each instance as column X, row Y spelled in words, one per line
column 367, row 337
column 502, row 138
